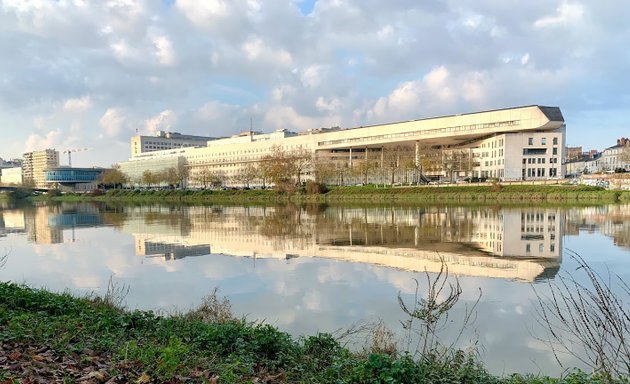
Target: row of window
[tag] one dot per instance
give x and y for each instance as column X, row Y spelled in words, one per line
column 541, row 248
column 543, row 141
column 539, row 172
column 493, row 144
column 540, row 160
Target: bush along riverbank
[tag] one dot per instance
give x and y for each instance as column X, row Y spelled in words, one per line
column 49, row 337
column 478, row 194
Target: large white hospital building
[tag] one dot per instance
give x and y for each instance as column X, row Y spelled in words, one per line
column 520, row 143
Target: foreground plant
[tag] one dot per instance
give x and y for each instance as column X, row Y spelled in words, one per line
column 47, row 337
column 588, row 320
column 429, row 313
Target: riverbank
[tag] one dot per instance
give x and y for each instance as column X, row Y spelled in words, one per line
column 49, row 337
column 455, row 194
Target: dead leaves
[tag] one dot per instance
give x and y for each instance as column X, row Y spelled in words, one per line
column 41, row 364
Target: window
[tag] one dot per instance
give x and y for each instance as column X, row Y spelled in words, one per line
column 530, row 141
column 543, row 141
column 555, row 141
column 555, row 151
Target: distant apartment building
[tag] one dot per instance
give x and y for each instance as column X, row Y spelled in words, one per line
column 165, row 140
column 521, row 143
column 611, row 159
column 574, row 153
column 35, row 164
column 617, row 157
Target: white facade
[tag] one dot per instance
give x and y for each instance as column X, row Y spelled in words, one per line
column 521, row 156
column 11, row 176
column 164, row 141
column 613, row 158
column 523, row 143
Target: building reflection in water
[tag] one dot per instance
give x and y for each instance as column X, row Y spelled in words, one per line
column 44, row 224
column 520, row 244
column 514, row 243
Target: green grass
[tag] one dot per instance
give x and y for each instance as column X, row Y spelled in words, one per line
column 96, row 336
column 460, row 194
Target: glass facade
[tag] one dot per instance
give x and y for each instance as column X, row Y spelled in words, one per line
column 73, row 175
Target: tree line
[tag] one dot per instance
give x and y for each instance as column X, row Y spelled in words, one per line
column 286, row 170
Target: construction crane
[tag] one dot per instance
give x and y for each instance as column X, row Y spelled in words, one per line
column 70, row 151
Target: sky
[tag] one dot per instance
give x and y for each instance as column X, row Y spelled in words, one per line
column 78, row 74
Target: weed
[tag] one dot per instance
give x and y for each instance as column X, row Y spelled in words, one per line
column 589, row 320
column 139, row 346
column 212, row 309
column 429, row 314
column 114, row 295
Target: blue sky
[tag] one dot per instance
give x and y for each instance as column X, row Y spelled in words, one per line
column 80, row 74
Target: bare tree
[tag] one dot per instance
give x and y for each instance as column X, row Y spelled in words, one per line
column 455, row 161
column 323, row 169
column 430, row 159
column 183, row 172
column 115, row 177
column 203, row 176
column 149, row 178
column 170, row 176
column 391, row 162
column 279, row 168
column 301, row 161
column 246, row 175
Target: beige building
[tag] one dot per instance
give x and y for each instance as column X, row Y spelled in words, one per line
column 34, row 165
column 523, row 245
column 165, row 140
column 522, row 143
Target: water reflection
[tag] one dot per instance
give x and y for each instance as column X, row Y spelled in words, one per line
column 522, row 244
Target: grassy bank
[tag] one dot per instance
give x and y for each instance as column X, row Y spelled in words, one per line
column 461, row 194
column 48, row 337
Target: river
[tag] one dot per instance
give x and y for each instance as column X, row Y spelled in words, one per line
column 308, row 269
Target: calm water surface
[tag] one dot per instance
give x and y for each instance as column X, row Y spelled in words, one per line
column 314, row 268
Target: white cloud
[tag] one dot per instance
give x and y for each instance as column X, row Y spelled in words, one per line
column 38, row 142
column 257, row 50
column 78, row 105
column 286, row 117
column 346, row 62
column 408, row 99
column 163, row 121
column 525, row 59
column 203, row 13
column 164, row 50
column 112, row 122
column 313, row 75
column 332, row 104
column 566, row 14
column 123, row 51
